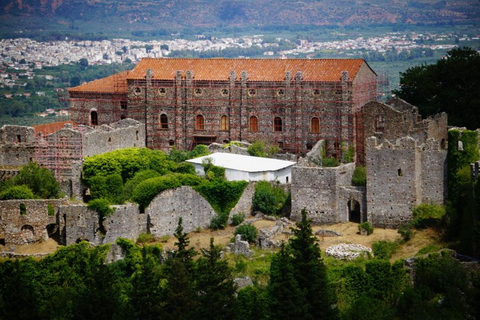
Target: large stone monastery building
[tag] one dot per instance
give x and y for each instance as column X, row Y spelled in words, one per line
column 183, row 102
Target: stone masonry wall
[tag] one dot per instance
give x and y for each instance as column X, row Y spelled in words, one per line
column 168, row 206
column 244, row 204
column 393, row 181
column 434, row 173
column 125, row 222
column 25, row 221
column 317, row 189
column 125, row 133
column 77, row 222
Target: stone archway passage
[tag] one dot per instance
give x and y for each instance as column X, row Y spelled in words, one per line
column 354, row 213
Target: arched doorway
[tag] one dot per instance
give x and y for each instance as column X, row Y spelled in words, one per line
column 354, row 213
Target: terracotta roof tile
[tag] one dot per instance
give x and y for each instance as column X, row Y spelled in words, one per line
column 116, row 83
column 52, row 127
column 257, row 69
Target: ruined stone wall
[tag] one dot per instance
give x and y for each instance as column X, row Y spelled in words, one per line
column 16, row 146
column 125, row 133
column 168, row 206
column 434, row 173
column 108, row 107
column 394, row 181
column 317, row 189
column 244, row 204
column 77, row 223
column 25, row 221
column 125, row 222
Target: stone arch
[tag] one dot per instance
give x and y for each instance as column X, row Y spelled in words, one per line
column 354, row 211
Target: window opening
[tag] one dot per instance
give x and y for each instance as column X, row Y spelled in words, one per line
column 253, row 124
column 94, row 118
column 315, row 125
column 200, row 123
column 380, row 123
column 224, row 123
column 277, row 124
column 123, row 105
column 163, row 121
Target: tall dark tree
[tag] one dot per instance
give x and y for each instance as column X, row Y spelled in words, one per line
column 287, row 300
column 214, row 285
column 180, row 296
column 310, row 271
column 452, row 85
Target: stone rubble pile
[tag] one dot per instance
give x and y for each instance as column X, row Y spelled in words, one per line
column 348, row 251
column 266, row 235
column 239, row 246
column 327, row 233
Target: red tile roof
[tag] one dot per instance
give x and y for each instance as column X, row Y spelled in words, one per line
column 257, row 69
column 219, row 69
column 116, row 83
column 51, row 127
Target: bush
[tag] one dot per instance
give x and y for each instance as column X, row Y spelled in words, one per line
column 50, row 209
column 384, row 249
column 221, row 194
column 269, row 199
column 262, row 149
column 219, row 221
column 359, row 177
column 330, row 162
column 365, row 227
column 238, row 218
column 249, row 233
column 405, row 231
column 41, row 181
column 427, row 215
column 145, row 238
column 139, row 177
column 101, row 206
column 17, row 192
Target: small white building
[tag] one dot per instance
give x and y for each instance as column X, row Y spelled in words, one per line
column 240, row 167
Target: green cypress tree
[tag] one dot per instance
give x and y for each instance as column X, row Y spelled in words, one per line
column 287, row 301
column 214, row 285
column 310, row 272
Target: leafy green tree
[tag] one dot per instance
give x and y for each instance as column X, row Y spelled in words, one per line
column 214, row 285
column 40, row 180
column 310, row 272
column 17, row 192
column 268, row 199
column 451, row 85
column 249, row 232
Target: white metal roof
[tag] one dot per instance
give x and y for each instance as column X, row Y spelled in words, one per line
column 244, row 163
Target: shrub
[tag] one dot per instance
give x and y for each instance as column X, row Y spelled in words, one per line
column 249, row 233
column 330, row 162
column 238, row 218
column 427, row 215
column 365, row 227
column 384, row 249
column 262, row 149
column 359, row 177
column 17, row 192
column 405, row 231
column 221, row 194
column 41, row 181
column 144, row 238
column 219, row 221
column 139, row 177
column 50, row 209
column 269, row 199
column 101, row 206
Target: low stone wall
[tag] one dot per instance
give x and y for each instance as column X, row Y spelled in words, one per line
column 167, row 207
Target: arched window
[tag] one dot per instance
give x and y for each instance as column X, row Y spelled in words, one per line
column 315, row 125
column 163, row 121
column 224, row 123
column 253, row 124
column 277, row 124
column 380, row 123
column 200, row 122
column 94, row 118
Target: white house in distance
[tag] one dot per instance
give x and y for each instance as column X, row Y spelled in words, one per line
column 240, row 167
